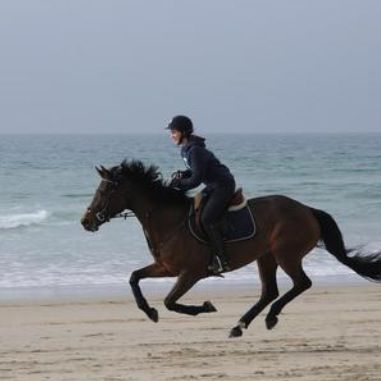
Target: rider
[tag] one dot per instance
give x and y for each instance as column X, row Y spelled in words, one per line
column 204, row 167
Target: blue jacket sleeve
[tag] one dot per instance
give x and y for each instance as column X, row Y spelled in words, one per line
column 197, row 160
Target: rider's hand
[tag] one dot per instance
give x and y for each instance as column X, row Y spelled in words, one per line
column 181, row 174
column 176, row 175
column 175, row 183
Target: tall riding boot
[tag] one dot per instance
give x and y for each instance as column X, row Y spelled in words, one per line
column 220, row 262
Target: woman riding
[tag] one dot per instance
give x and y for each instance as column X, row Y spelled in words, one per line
column 204, row 167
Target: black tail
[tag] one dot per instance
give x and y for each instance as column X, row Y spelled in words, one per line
column 367, row 265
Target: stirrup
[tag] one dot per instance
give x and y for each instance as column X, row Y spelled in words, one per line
column 217, row 266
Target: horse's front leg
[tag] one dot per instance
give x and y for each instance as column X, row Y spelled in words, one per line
column 154, row 270
column 184, row 283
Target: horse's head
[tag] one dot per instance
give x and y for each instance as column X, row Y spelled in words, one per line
column 108, row 200
column 123, row 186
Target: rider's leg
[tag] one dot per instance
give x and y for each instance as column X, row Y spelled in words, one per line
column 217, row 245
column 211, row 215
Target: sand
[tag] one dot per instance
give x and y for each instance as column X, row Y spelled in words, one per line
column 329, row 333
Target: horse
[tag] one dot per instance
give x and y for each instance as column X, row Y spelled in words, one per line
column 287, row 231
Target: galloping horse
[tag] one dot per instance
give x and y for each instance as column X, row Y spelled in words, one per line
column 286, row 231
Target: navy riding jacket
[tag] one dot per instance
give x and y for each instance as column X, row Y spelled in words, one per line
column 203, row 165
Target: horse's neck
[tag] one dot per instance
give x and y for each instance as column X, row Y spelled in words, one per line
column 158, row 219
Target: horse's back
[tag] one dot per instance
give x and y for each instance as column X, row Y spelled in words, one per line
column 281, row 209
column 277, row 202
column 287, row 224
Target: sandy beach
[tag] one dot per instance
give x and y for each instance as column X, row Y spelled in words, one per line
column 329, row 333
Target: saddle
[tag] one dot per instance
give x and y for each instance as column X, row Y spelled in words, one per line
column 238, row 222
column 237, row 202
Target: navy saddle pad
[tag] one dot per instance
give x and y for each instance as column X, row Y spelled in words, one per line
column 238, row 226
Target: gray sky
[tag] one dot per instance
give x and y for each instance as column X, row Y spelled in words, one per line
column 121, row 66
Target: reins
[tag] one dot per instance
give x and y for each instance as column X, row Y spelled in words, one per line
column 125, row 215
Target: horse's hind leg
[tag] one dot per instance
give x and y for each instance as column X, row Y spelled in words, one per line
column 184, row 283
column 301, row 282
column 267, row 271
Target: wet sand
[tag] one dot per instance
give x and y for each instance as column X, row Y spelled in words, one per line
column 329, row 333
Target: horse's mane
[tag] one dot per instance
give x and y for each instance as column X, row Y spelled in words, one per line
column 149, row 179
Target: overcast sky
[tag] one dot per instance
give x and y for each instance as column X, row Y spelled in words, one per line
column 122, row 66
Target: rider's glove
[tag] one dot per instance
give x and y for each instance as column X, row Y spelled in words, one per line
column 175, row 183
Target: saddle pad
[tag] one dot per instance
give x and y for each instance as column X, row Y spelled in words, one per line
column 240, row 225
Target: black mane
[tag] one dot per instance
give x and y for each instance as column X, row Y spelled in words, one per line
column 149, row 179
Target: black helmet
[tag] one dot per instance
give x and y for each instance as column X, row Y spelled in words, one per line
column 181, row 123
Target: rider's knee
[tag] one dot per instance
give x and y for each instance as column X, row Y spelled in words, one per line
column 206, row 221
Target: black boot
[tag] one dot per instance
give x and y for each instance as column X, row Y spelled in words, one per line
column 219, row 262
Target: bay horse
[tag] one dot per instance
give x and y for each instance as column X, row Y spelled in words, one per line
column 287, row 230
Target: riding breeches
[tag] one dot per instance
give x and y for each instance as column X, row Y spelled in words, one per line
column 217, row 201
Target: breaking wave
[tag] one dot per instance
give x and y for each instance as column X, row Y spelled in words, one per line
column 13, row 221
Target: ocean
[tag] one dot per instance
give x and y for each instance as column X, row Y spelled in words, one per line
column 47, row 181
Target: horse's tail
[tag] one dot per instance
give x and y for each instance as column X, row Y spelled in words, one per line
column 368, row 265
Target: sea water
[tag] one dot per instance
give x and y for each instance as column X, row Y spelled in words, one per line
column 46, row 183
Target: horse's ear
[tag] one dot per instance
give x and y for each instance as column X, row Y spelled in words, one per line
column 102, row 171
column 106, row 173
column 99, row 171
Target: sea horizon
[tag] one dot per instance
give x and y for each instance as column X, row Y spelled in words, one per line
column 227, row 133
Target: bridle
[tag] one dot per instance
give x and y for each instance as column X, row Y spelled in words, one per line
column 103, row 215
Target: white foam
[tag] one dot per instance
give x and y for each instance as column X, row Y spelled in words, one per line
column 13, row 221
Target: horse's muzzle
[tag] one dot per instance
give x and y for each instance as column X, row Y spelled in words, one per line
column 89, row 222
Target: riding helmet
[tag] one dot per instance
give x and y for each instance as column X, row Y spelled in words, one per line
column 182, row 124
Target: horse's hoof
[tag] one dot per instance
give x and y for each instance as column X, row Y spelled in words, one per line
column 271, row 322
column 236, row 332
column 153, row 315
column 209, row 307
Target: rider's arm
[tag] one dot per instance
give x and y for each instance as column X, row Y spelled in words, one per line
column 197, row 163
